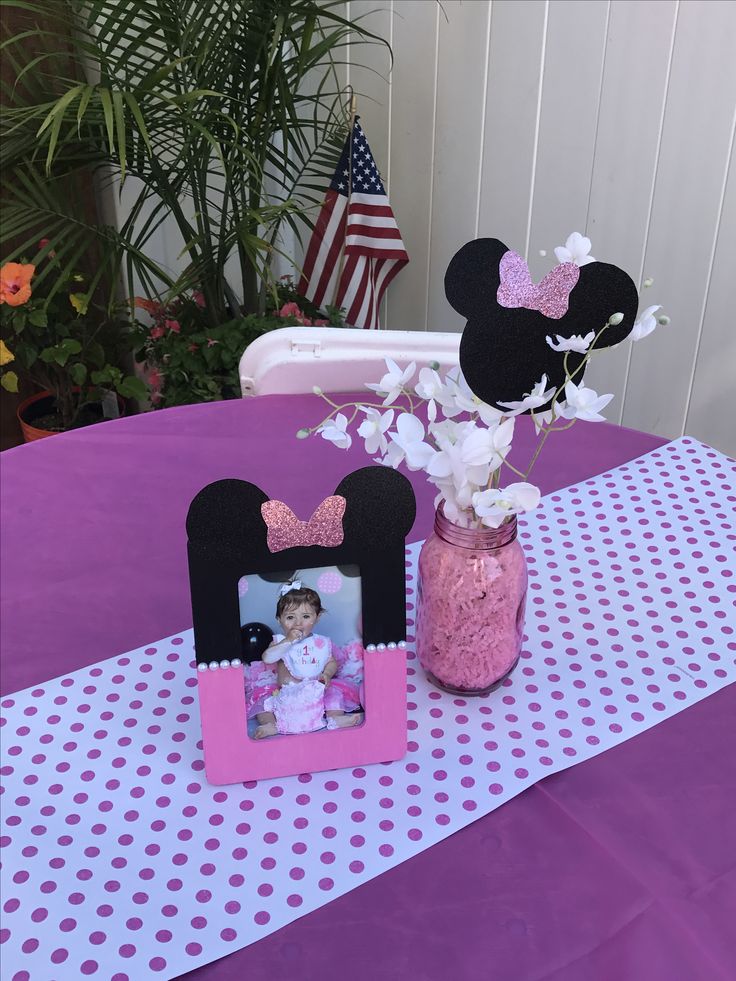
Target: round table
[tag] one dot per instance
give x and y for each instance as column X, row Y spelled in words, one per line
column 620, row 867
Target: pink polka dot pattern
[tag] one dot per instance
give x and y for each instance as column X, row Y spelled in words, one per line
column 329, row 582
column 120, row 861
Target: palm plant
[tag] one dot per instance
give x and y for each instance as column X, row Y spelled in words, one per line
column 224, row 117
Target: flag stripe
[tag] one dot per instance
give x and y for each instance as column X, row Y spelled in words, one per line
column 330, row 266
column 329, row 250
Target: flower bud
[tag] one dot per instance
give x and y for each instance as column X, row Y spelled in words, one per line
column 648, row 282
column 302, row 433
column 316, row 389
column 615, row 319
column 663, row 320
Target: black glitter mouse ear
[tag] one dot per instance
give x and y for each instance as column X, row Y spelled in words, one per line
column 504, row 351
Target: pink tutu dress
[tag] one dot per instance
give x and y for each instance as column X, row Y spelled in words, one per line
column 307, row 659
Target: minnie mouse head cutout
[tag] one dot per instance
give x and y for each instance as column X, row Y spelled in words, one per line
column 504, row 349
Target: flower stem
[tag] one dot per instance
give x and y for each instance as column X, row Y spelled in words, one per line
column 568, row 377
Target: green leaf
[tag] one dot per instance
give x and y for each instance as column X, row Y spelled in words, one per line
column 71, row 346
column 95, row 354
column 138, row 116
column 38, row 318
column 78, row 373
column 106, row 101
column 132, row 388
column 9, row 381
column 59, row 107
column 26, row 354
column 117, row 101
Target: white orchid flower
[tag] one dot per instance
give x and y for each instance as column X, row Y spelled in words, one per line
column 393, row 382
column 336, row 432
column 645, row 323
column 488, row 446
column 448, row 466
column 409, row 437
column 545, row 418
column 538, row 396
column 431, row 388
column 576, row 249
column 452, row 509
column 495, row 505
column 373, row 429
column 461, row 398
column 575, row 343
column 583, row 403
column 393, row 457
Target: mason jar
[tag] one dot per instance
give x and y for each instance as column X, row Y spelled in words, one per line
column 471, row 598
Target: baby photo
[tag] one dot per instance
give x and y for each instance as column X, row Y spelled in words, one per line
column 302, row 650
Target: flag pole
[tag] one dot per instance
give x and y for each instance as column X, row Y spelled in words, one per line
column 351, row 129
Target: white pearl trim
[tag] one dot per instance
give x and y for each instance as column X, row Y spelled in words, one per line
column 216, row 665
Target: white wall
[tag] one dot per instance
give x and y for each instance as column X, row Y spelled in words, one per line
column 528, row 119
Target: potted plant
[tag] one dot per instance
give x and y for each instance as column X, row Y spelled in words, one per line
column 228, row 116
column 187, row 360
column 64, row 346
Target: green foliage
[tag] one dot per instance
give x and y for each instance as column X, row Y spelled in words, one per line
column 227, row 113
column 75, row 356
column 189, row 361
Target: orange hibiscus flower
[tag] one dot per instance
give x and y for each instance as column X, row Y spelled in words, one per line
column 15, row 283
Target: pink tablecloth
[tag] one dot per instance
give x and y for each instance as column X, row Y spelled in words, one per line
column 621, row 868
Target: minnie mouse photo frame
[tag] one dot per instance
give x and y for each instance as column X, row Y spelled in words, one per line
column 300, row 626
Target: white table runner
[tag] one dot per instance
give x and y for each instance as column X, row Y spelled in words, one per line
column 121, row 862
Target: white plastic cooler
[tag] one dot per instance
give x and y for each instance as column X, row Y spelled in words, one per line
column 338, row 359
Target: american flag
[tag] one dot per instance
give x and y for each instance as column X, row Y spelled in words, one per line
column 360, row 219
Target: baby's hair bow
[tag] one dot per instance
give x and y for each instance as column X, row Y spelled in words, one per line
column 287, row 587
column 550, row 297
column 285, row 530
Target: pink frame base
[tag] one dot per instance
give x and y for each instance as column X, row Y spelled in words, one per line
column 231, row 756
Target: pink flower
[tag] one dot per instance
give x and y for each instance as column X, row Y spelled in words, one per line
column 150, row 306
column 305, row 322
column 173, row 325
column 43, row 243
column 193, row 348
column 198, row 298
column 154, row 379
column 157, row 332
column 211, row 342
column 321, row 323
column 290, row 310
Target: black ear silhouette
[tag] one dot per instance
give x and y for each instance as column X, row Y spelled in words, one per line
column 504, row 351
column 378, row 499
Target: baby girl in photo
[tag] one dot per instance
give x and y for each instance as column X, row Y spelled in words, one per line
column 302, row 656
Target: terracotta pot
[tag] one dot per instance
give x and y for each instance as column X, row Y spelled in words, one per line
column 29, row 408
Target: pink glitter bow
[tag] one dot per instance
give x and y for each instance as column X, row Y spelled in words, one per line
column 285, row 530
column 550, row 297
